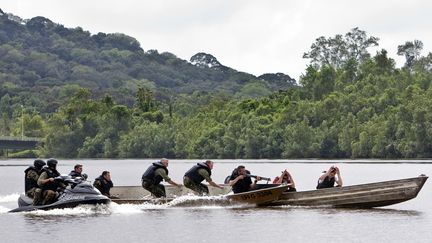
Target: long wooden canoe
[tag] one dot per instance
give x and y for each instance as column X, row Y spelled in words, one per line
column 369, row 195
column 358, row 196
column 137, row 195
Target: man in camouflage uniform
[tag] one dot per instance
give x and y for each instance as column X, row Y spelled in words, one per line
column 154, row 175
column 49, row 185
column 32, row 174
column 199, row 172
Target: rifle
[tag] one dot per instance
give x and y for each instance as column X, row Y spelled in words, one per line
column 255, row 176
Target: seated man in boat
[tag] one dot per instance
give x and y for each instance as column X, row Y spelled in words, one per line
column 104, row 184
column 32, row 173
column 240, row 181
column 77, row 171
column 154, row 175
column 329, row 177
column 285, row 178
column 48, row 184
column 193, row 178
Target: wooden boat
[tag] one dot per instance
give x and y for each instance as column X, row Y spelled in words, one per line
column 137, row 195
column 259, row 196
column 358, row 196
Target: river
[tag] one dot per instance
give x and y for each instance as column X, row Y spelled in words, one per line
column 410, row 221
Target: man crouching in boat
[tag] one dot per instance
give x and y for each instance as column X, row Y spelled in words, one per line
column 328, row 178
column 193, row 177
column 154, row 175
column 240, row 181
column 48, row 184
column 104, row 184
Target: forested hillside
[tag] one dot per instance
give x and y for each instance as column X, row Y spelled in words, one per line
column 43, row 63
column 350, row 104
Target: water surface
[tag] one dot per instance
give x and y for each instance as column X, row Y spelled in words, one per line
column 206, row 222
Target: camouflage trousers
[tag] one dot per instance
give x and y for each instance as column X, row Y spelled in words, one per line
column 49, row 197
column 200, row 188
column 156, row 190
column 36, row 194
column 31, row 193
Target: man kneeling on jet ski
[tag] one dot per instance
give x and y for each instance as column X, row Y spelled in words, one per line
column 49, row 185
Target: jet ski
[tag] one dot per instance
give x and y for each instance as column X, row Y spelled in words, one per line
column 79, row 191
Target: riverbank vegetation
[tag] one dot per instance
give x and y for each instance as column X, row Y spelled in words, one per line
column 348, row 104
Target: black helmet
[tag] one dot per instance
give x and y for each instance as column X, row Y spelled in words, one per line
column 52, row 163
column 38, row 163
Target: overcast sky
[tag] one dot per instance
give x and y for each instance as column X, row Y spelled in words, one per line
column 254, row 36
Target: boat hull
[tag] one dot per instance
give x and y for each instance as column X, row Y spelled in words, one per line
column 369, row 195
column 138, row 195
column 260, row 196
column 255, row 197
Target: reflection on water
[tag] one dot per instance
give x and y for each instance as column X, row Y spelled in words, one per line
column 349, row 211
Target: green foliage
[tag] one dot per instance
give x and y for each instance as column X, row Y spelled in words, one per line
column 411, row 50
column 339, row 50
column 371, row 110
column 51, row 61
column 138, row 104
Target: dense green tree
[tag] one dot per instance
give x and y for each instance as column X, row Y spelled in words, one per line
column 411, row 50
column 337, row 51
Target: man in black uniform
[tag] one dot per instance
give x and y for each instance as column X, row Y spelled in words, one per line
column 193, row 177
column 77, row 172
column 104, row 184
column 329, row 177
column 240, row 181
column 154, row 175
column 32, row 174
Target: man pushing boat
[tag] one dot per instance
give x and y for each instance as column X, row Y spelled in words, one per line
column 154, row 175
column 199, row 172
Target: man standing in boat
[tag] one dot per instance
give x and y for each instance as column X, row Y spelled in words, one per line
column 32, row 174
column 193, row 178
column 329, row 177
column 154, row 175
column 240, row 181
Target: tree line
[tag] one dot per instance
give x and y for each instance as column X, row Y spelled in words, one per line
column 350, row 104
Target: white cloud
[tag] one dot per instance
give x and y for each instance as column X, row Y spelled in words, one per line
column 249, row 35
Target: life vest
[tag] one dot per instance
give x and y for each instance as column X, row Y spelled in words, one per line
column 53, row 185
column 193, row 174
column 30, row 183
column 326, row 183
column 74, row 174
column 149, row 174
column 241, row 185
column 105, row 185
